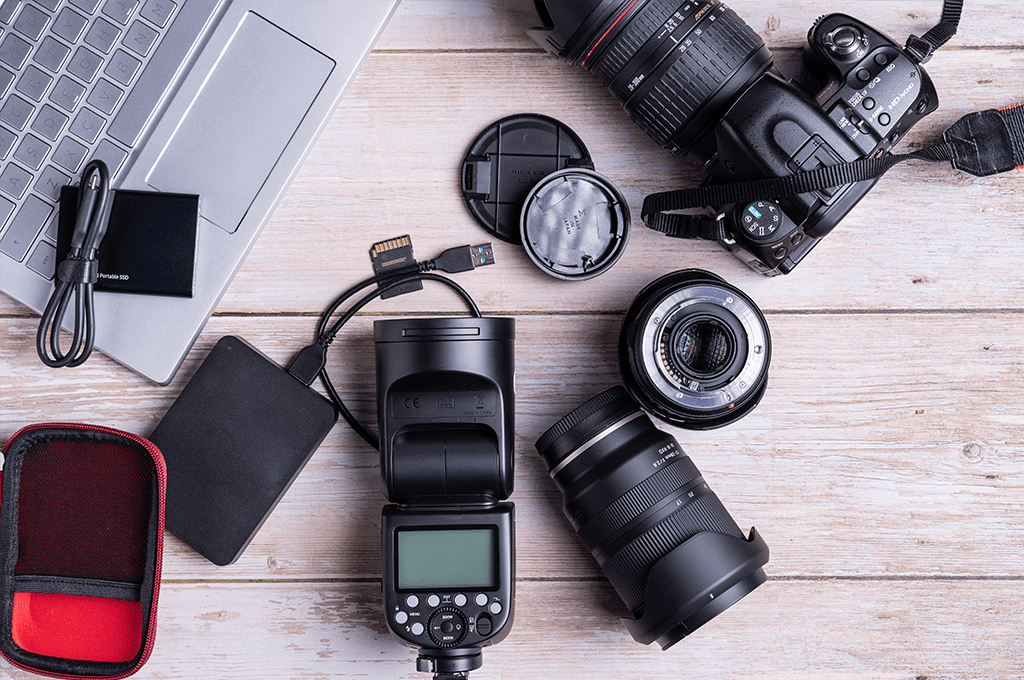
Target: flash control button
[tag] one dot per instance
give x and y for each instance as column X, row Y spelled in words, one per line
column 481, row 599
column 433, row 600
column 417, row 628
column 401, row 617
column 460, row 600
column 495, row 608
column 412, row 601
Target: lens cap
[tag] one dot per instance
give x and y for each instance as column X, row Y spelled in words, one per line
column 507, row 159
column 575, row 224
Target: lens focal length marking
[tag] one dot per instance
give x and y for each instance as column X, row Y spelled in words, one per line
column 593, row 440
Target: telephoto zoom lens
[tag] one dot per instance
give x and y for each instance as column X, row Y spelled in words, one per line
column 662, row 537
column 674, row 65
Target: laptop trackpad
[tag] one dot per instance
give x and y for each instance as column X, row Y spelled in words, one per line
column 241, row 120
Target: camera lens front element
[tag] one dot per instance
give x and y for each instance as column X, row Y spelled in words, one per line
column 694, row 350
column 662, row 537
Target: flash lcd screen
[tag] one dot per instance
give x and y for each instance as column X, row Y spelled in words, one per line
column 446, row 558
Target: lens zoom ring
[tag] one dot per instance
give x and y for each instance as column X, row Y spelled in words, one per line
column 695, row 76
column 638, row 500
column 640, row 29
column 627, row 569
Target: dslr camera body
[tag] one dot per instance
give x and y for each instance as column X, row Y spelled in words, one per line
column 702, row 83
column 445, row 408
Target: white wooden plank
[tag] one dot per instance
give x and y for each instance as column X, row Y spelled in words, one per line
column 784, row 629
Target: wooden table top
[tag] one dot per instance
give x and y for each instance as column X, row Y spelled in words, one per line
column 884, row 466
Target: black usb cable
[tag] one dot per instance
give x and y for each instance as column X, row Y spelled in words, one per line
column 77, row 274
column 311, row 361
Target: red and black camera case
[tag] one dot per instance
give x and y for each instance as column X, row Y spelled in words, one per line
column 81, row 542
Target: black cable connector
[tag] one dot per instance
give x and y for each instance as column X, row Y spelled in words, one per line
column 311, row 361
column 308, row 363
column 463, row 258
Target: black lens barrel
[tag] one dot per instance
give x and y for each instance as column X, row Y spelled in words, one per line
column 637, row 500
column 674, row 65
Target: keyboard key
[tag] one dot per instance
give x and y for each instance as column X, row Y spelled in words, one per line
column 6, row 210
column 14, row 181
column 87, row 125
column 7, row 139
column 105, row 96
column 69, row 155
column 6, row 78
column 140, row 38
column 16, row 112
column 122, row 67
column 32, row 22
column 158, row 11
column 85, row 64
column 32, row 152
column 112, row 155
column 26, row 226
column 33, row 83
column 50, row 122
column 8, row 8
column 50, row 182
column 44, row 260
column 103, row 35
column 87, row 6
column 69, row 25
column 51, row 54
column 120, row 10
column 67, row 94
column 14, row 50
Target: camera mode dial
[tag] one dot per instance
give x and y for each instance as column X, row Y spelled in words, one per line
column 447, row 627
column 761, row 220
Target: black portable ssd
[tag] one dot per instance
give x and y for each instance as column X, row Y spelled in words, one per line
column 234, row 441
column 150, row 244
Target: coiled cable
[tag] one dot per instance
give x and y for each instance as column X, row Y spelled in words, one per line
column 77, row 274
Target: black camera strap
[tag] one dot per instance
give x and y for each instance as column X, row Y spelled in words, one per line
column 920, row 49
column 981, row 143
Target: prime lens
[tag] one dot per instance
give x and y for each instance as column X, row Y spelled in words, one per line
column 662, row 537
column 674, row 65
column 694, row 350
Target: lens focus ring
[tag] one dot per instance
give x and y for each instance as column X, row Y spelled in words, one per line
column 648, row 20
column 637, row 501
column 666, row 105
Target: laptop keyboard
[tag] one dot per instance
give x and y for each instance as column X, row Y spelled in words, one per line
column 67, row 74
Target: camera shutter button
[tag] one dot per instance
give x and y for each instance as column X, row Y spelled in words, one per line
column 843, row 40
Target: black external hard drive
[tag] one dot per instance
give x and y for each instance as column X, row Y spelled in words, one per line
column 234, row 441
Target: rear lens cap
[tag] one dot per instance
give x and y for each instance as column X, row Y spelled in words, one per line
column 575, row 224
column 507, row 160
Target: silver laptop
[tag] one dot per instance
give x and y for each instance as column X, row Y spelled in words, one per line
column 219, row 98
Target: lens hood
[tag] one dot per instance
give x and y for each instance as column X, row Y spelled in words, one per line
column 720, row 570
column 694, row 350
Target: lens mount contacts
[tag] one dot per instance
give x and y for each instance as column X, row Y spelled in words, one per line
column 694, row 350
